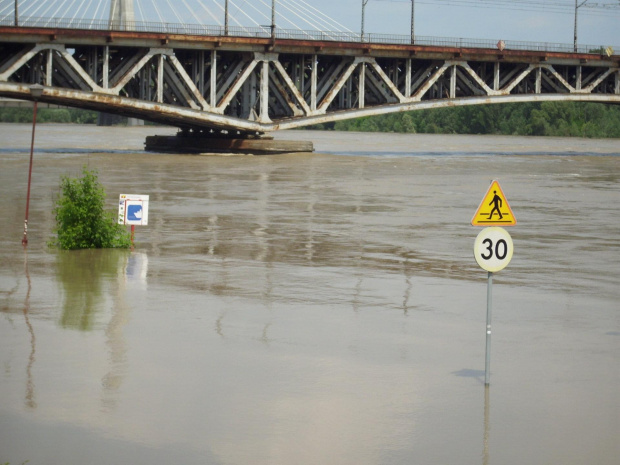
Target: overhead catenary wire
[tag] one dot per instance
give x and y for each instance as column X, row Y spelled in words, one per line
column 561, row 7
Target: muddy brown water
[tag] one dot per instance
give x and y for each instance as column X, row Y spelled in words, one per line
column 317, row 308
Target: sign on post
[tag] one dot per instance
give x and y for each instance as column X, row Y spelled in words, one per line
column 494, row 209
column 133, row 209
column 493, row 249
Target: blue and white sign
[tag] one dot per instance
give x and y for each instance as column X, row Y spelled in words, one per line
column 133, row 209
column 134, row 212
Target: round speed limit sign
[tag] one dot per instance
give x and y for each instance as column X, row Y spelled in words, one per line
column 493, row 249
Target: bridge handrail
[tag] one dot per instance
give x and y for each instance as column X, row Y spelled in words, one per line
column 265, row 32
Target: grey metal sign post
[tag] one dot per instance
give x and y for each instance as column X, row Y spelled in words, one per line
column 487, row 364
column 493, row 250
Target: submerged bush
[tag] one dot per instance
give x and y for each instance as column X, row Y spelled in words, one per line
column 81, row 219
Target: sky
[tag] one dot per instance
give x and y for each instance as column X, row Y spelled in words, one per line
column 511, row 20
column 460, row 19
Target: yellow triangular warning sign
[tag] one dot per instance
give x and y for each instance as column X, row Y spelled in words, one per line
column 494, row 209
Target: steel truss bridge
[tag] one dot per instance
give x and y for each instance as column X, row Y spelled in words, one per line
column 255, row 82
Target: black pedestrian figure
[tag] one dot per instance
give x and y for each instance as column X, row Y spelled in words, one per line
column 497, row 203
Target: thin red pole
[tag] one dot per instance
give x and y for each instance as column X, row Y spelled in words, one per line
column 34, row 124
column 133, row 230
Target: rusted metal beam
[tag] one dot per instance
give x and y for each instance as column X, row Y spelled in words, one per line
column 154, row 39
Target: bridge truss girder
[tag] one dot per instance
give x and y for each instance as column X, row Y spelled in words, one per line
column 259, row 91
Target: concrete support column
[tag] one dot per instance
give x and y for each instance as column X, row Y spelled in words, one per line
column 122, row 15
column 578, row 83
column 213, row 87
column 264, row 93
column 302, row 73
column 408, row 78
column 496, row 76
column 538, row 80
column 160, row 79
column 313, row 83
column 135, row 122
column 200, row 70
column 617, row 82
column 362, row 85
column 106, row 68
column 49, row 68
column 453, row 81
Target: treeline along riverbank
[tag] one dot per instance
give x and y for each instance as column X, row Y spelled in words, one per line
column 561, row 119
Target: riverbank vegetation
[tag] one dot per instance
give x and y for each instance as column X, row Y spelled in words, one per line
column 81, row 219
column 48, row 115
column 562, row 119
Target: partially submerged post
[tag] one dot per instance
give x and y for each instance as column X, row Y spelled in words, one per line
column 36, row 91
column 493, row 249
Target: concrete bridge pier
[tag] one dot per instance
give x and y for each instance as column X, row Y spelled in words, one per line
column 108, row 119
column 204, row 141
column 122, row 15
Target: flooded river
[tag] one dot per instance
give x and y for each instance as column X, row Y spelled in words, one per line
column 313, row 309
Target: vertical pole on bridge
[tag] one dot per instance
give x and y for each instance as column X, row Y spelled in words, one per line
column 575, row 31
column 577, row 6
column 413, row 21
column 226, row 18
column 364, row 2
column 16, row 12
column 273, row 19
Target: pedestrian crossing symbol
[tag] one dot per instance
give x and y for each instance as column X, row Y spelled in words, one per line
column 494, row 209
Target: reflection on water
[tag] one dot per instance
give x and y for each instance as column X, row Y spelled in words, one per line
column 85, row 277
column 93, row 282
column 487, row 424
column 30, row 394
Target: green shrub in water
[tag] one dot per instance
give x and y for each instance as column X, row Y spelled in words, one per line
column 81, row 219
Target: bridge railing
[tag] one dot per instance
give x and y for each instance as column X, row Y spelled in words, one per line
column 265, row 32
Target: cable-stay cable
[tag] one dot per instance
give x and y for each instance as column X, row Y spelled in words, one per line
column 243, row 11
column 174, row 11
column 330, row 23
column 215, row 18
column 300, row 15
column 140, row 11
column 284, row 19
column 192, row 12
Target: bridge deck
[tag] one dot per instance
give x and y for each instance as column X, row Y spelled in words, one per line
column 266, row 44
